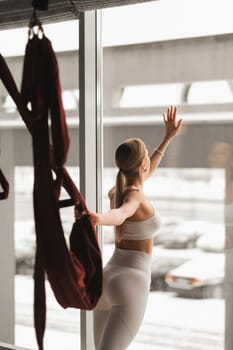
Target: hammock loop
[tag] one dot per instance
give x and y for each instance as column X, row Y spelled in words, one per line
column 35, row 23
column 36, row 31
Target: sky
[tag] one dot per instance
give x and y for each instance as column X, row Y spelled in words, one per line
column 147, row 22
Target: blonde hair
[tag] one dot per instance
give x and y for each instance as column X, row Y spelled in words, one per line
column 128, row 158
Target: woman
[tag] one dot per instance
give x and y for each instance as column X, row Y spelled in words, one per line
column 127, row 275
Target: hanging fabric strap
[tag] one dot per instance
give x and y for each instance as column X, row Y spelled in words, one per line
column 75, row 273
column 5, row 186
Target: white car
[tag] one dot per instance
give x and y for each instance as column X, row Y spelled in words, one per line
column 24, row 247
column 202, row 276
column 181, row 235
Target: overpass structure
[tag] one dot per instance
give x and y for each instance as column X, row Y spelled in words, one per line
column 174, row 61
column 183, row 61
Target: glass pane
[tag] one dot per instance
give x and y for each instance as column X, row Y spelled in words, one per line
column 63, row 326
column 149, row 22
column 63, row 35
column 151, row 95
column 189, row 306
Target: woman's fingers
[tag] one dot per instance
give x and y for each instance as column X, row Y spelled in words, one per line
column 78, row 214
column 172, row 125
column 179, row 123
column 168, row 113
column 171, row 114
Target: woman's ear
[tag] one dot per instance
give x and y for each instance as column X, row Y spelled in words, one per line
column 144, row 166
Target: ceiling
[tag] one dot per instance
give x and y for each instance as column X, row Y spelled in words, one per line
column 14, row 13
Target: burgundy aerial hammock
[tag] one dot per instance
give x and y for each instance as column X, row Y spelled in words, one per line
column 4, row 185
column 75, row 273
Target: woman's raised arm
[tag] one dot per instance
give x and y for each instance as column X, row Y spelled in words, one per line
column 172, row 128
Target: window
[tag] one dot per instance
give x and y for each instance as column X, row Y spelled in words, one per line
column 192, row 188
column 151, row 95
column 210, row 92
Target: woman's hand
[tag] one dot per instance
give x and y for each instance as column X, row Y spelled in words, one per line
column 172, row 125
column 94, row 216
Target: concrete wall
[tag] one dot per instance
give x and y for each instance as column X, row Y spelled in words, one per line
column 190, row 149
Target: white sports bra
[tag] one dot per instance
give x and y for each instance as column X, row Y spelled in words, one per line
column 140, row 230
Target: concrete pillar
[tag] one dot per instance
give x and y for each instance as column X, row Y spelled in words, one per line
column 7, row 258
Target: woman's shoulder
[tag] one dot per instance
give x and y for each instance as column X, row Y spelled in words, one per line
column 133, row 193
column 128, row 189
column 132, row 190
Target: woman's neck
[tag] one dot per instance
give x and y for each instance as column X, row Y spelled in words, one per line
column 135, row 183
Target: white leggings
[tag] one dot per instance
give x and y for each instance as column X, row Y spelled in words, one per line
column 120, row 310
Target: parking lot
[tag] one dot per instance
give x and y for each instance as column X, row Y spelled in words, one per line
column 188, row 257
column 170, row 322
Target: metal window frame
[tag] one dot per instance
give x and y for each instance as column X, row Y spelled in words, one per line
column 90, row 130
column 5, row 346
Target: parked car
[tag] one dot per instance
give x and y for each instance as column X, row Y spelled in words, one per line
column 160, row 267
column 25, row 244
column 181, row 235
column 24, row 247
column 201, row 277
column 164, row 260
